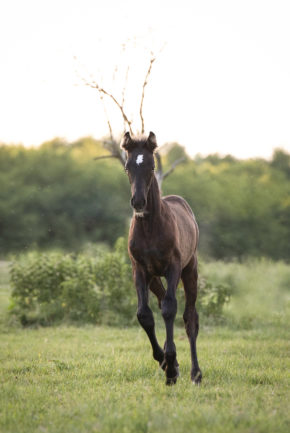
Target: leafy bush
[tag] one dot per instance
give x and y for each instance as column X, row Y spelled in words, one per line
column 261, row 291
column 50, row 288
column 212, row 297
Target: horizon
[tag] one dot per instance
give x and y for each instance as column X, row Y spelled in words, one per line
column 192, row 156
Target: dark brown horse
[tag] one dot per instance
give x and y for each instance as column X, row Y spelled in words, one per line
column 162, row 242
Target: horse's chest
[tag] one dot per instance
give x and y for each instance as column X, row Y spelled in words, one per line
column 152, row 258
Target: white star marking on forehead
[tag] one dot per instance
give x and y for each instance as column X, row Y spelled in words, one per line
column 139, row 159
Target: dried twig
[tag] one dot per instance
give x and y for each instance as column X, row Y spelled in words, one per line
column 108, row 120
column 152, row 60
column 173, row 166
column 112, row 145
column 125, row 86
column 95, row 85
column 123, row 93
column 115, row 153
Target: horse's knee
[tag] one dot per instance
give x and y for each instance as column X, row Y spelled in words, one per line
column 145, row 317
column 169, row 308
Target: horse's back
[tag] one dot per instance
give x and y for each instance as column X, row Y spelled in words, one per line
column 173, row 200
column 186, row 225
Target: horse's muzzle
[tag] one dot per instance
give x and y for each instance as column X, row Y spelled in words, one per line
column 138, row 204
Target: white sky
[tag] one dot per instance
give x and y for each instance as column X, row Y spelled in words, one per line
column 221, row 84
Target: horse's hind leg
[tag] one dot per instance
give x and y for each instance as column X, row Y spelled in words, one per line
column 145, row 315
column 158, row 289
column 190, row 316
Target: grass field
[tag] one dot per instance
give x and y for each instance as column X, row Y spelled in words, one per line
column 101, row 379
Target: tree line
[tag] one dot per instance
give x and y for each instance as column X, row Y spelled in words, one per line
column 59, row 196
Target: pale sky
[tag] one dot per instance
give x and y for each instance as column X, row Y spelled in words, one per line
column 220, row 84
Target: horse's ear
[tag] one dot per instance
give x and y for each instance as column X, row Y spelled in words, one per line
column 151, row 142
column 127, row 142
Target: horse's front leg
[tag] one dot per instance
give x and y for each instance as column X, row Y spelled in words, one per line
column 169, row 309
column 144, row 313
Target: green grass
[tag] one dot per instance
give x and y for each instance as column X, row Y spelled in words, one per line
column 104, row 380
column 101, row 379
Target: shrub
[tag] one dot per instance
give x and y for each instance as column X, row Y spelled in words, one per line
column 212, row 298
column 51, row 288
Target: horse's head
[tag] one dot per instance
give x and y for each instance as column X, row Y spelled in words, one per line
column 140, row 168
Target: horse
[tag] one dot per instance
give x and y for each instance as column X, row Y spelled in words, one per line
column 162, row 242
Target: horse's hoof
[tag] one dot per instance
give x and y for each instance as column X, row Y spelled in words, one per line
column 171, row 380
column 196, row 377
